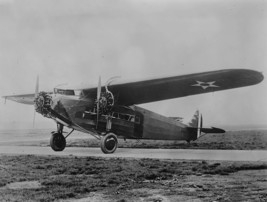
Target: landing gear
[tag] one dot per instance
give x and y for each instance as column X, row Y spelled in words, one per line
column 109, row 143
column 57, row 142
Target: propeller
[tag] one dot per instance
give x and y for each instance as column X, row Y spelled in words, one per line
column 35, row 96
column 97, row 100
column 108, row 98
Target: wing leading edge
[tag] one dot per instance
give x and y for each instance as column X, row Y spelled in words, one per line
column 24, row 99
column 180, row 86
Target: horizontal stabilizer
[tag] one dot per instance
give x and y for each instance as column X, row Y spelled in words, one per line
column 212, row 130
column 206, row 130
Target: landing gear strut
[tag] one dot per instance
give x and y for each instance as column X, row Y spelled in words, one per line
column 57, row 140
column 109, row 143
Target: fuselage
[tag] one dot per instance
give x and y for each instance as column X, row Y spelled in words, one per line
column 127, row 122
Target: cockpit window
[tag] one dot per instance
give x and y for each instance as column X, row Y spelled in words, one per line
column 77, row 92
column 63, row 92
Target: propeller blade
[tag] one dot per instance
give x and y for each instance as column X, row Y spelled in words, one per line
column 35, row 96
column 37, row 87
column 33, row 123
column 99, row 88
column 97, row 100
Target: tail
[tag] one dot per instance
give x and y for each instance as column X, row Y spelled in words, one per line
column 196, row 130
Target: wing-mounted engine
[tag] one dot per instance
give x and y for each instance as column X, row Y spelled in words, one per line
column 105, row 102
column 42, row 104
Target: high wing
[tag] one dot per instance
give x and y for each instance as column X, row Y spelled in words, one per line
column 180, row 86
column 140, row 92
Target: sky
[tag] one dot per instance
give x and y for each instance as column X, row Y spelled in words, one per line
column 76, row 41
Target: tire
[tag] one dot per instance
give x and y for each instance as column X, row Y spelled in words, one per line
column 109, row 143
column 57, row 142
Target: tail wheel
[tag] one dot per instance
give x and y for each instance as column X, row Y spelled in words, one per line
column 57, row 142
column 109, row 143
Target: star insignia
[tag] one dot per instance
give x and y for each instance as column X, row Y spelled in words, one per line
column 205, row 85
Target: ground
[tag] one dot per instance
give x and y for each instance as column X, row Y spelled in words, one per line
column 53, row 178
column 46, row 178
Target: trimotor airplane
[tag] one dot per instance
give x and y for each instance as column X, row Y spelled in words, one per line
column 110, row 111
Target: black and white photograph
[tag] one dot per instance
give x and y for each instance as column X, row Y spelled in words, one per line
column 133, row 100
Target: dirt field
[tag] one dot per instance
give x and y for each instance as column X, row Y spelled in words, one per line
column 44, row 178
column 47, row 178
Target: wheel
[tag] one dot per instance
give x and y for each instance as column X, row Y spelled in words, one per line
column 57, row 142
column 109, row 143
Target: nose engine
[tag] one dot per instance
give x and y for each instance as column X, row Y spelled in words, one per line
column 42, row 104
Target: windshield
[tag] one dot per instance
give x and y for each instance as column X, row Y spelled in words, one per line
column 63, row 92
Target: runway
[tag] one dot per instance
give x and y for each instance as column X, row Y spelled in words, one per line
column 188, row 154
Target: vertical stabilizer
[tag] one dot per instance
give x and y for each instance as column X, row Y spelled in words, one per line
column 194, row 123
column 195, row 128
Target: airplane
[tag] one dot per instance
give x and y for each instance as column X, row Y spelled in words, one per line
column 110, row 111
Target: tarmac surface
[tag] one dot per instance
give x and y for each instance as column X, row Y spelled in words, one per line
column 216, row 155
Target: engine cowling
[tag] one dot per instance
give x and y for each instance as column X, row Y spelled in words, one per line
column 42, row 104
column 106, row 102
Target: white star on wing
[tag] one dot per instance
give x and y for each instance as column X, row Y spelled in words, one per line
column 205, row 85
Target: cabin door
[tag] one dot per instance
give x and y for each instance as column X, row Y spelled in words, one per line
column 138, row 125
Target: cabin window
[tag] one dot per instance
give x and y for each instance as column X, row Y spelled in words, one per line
column 127, row 117
column 121, row 116
column 137, row 119
column 124, row 116
column 131, row 118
